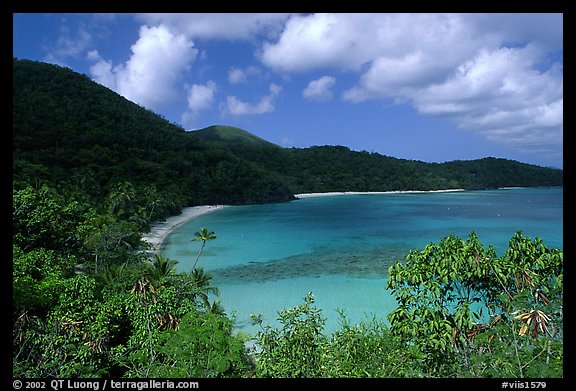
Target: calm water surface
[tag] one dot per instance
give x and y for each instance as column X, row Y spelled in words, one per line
column 267, row 257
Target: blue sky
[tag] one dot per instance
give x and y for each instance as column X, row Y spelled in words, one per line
column 429, row 87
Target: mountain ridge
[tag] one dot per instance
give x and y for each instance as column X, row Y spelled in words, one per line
column 74, row 133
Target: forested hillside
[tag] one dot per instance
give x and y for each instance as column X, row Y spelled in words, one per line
column 76, row 135
column 79, row 136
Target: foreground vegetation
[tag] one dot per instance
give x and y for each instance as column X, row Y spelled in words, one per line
column 462, row 312
column 85, row 304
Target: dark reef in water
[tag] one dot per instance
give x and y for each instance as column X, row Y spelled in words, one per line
column 371, row 264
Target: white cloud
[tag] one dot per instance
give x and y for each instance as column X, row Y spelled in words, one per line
column 314, row 41
column 236, row 76
column 320, row 89
column 502, row 95
column 499, row 75
column 352, row 41
column 235, row 106
column 200, row 98
column 240, row 76
column 157, row 61
column 70, row 44
column 219, row 25
column 396, row 77
column 101, row 70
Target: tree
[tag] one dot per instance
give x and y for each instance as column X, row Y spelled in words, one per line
column 40, row 219
column 202, row 287
column 203, row 346
column 120, row 198
column 161, row 268
column 296, row 349
column 109, row 240
column 202, row 236
column 457, row 300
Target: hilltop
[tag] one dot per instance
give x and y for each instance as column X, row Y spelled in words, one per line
column 232, row 136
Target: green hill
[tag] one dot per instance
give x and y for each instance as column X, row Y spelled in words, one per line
column 82, row 138
column 229, row 135
column 79, row 136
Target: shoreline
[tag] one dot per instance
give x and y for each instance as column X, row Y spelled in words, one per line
column 159, row 231
column 337, row 193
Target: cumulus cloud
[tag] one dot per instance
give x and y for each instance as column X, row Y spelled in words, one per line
column 235, row 106
column 70, row 44
column 502, row 94
column 313, row 41
column 495, row 74
column 320, row 89
column 236, row 76
column 149, row 77
column 101, row 70
column 352, row 41
column 219, row 25
column 239, row 75
column 499, row 75
column 200, row 98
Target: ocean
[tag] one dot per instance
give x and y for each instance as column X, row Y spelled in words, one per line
column 268, row 257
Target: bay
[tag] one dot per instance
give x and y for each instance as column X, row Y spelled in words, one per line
column 267, row 257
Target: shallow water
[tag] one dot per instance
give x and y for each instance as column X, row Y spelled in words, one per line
column 267, row 257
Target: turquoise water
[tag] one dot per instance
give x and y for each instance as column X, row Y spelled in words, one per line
column 267, row 257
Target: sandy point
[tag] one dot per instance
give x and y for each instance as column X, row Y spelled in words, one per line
column 159, row 231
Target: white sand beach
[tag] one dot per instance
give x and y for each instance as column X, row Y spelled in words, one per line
column 160, row 230
column 307, row 195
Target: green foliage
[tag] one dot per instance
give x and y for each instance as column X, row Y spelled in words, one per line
column 238, row 138
column 81, row 137
column 74, row 320
column 202, row 236
column 368, row 349
column 337, row 168
column 69, row 341
column 299, row 348
column 109, row 241
column 37, row 278
column 42, row 219
column 436, row 290
column 462, row 312
column 86, row 305
column 202, row 287
column 295, row 350
column 457, row 301
column 203, row 346
column 161, row 268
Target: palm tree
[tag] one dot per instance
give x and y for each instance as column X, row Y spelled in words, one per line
column 111, row 276
column 122, row 194
column 202, row 286
column 161, row 268
column 203, row 235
